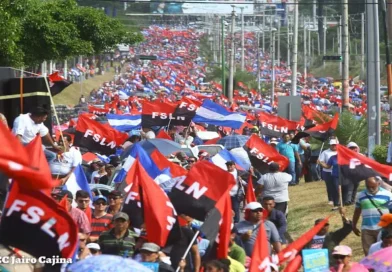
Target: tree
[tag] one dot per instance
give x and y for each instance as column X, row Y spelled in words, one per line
column 102, row 31
column 35, row 30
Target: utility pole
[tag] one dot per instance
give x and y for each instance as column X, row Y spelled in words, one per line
column 231, row 74
column 340, row 44
column 288, row 41
column 388, row 60
column 314, row 14
column 363, row 46
column 258, row 61
column 373, row 75
column 295, row 51
column 273, row 68
column 278, row 53
column 242, row 40
column 263, row 32
column 305, row 53
column 223, row 55
column 346, row 56
column 309, row 49
column 324, row 38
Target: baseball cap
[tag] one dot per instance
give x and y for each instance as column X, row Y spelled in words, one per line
column 116, row 193
column 61, row 193
column 385, row 220
column 320, row 220
column 333, row 142
column 93, row 246
column 342, row 250
column 121, row 215
column 150, row 247
column 352, row 144
column 253, row 206
column 96, row 198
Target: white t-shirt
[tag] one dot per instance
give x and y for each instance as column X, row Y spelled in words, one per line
column 25, row 126
column 324, row 157
column 375, row 247
column 276, row 185
column 64, row 163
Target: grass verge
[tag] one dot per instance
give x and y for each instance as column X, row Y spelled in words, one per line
column 308, row 202
column 70, row 96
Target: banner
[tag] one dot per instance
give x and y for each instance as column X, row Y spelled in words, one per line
column 97, row 137
column 265, row 153
column 275, row 126
column 37, row 224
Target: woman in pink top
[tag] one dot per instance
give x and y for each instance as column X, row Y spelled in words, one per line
column 342, row 256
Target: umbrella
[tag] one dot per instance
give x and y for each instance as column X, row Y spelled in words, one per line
column 166, row 147
column 104, row 263
column 233, row 141
column 323, row 80
column 380, row 261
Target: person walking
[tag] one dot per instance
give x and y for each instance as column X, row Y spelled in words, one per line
column 275, row 184
column 326, row 173
column 371, row 203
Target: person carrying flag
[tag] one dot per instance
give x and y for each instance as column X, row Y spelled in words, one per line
column 248, row 229
column 27, row 126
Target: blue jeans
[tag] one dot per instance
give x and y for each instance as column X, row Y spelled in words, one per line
column 327, row 177
column 50, row 155
column 235, row 206
column 298, row 168
column 335, row 191
column 291, row 170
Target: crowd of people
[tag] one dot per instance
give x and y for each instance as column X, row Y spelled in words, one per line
column 104, row 228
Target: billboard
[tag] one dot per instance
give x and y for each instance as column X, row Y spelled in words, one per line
column 209, row 7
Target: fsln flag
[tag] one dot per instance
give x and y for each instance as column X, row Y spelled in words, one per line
column 31, row 218
column 97, row 137
column 198, row 193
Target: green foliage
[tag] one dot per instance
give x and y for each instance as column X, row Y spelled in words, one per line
column 33, row 31
column 380, row 153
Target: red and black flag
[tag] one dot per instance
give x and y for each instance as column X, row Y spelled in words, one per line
column 217, row 226
column 320, row 132
column 57, row 83
column 275, row 126
column 356, row 167
column 160, row 217
column 37, row 224
column 16, row 163
column 97, row 137
column 262, row 155
column 186, row 108
column 98, row 111
column 158, row 113
column 202, row 188
column 314, row 117
column 290, row 252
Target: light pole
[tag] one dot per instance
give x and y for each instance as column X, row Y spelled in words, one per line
column 295, row 51
column 231, row 73
column 242, row 40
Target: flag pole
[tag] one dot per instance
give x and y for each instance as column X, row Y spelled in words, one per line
column 340, row 187
column 54, row 110
column 321, row 150
column 189, row 248
column 50, row 96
